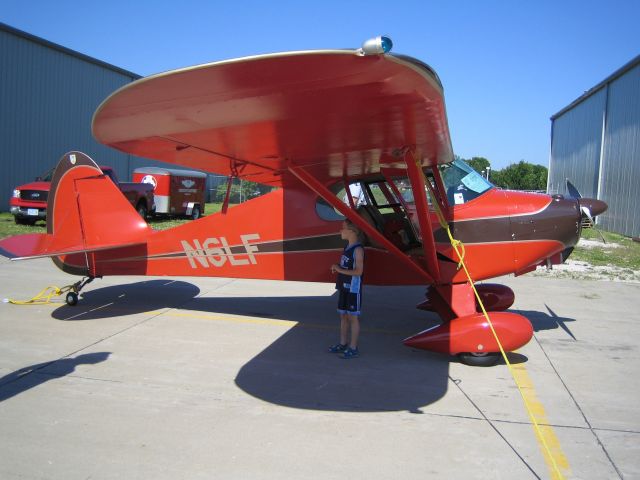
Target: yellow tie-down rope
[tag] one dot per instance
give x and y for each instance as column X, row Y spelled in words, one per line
column 43, row 297
column 458, row 244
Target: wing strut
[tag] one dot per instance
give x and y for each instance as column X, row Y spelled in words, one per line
column 330, row 198
column 417, row 179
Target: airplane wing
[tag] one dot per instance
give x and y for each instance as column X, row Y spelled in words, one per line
column 333, row 113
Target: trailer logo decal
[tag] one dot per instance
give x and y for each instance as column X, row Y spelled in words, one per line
column 216, row 251
column 188, row 183
column 150, row 179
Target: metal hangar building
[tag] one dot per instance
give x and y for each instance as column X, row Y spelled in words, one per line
column 595, row 143
column 48, row 94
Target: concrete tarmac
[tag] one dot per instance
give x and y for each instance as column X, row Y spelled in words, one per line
column 218, row 378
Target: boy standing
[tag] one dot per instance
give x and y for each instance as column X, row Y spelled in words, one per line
column 349, row 286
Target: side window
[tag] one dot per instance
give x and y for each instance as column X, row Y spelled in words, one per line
column 382, row 196
column 406, row 192
column 358, row 193
column 326, row 211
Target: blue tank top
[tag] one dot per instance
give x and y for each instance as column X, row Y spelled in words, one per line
column 349, row 283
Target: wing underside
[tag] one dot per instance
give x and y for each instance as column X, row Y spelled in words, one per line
column 334, row 113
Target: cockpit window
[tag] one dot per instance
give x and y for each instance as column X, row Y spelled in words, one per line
column 462, row 182
column 326, row 211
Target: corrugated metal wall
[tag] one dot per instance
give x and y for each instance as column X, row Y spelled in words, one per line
column 620, row 174
column 602, row 165
column 575, row 147
column 47, row 99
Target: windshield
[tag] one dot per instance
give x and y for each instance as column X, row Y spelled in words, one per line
column 46, row 177
column 461, row 182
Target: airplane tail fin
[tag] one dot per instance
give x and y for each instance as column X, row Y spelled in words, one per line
column 86, row 212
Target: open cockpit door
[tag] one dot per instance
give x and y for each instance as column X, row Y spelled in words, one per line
column 370, row 230
column 386, row 211
column 391, row 208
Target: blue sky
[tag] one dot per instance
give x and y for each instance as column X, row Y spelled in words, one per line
column 506, row 66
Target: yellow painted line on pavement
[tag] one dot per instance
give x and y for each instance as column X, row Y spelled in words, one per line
column 237, row 319
column 269, row 321
column 545, row 431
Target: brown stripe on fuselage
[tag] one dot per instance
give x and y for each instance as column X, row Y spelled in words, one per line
column 559, row 221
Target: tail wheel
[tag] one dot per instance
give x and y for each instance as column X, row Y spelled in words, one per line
column 486, row 359
column 72, row 299
column 195, row 212
column 142, row 210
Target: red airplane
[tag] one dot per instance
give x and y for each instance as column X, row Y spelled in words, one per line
column 313, row 124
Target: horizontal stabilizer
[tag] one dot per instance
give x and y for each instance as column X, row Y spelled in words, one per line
column 41, row 245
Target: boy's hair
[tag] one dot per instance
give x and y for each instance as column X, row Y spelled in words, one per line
column 354, row 228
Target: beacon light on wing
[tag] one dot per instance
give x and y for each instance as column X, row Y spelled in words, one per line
column 376, row 46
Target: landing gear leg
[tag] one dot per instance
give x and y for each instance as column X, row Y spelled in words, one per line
column 72, row 296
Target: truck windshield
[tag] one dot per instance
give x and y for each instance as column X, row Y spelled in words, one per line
column 462, row 182
column 46, row 177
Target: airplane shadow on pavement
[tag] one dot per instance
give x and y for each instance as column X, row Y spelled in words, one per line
column 548, row 320
column 296, row 369
column 128, row 299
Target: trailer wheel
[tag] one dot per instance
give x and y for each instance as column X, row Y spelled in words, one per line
column 142, row 210
column 195, row 212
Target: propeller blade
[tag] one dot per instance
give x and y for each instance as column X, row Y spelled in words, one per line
column 572, row 190
column 587, row 212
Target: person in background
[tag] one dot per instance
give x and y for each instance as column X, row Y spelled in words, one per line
column 355, row 190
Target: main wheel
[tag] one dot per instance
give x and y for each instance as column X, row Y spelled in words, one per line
column 142, row 210
column 479, row 359
column 72, row 299
column 195, row 212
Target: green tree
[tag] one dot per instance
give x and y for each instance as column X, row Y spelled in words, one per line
column 479, row 164
column 241, row 191
column 521, row 176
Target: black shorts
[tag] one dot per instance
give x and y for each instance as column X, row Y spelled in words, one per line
column 349, row 302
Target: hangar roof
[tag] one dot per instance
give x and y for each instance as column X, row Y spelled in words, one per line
column 618, row 73
column 60, row 48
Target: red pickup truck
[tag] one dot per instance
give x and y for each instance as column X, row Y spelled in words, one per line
column 29, row 202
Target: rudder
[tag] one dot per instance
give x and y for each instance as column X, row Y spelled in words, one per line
column 86, row 212
column 86, row 208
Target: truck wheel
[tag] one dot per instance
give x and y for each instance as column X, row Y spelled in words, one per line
column 24, row 221
column 195, row 212
column 142, row 210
